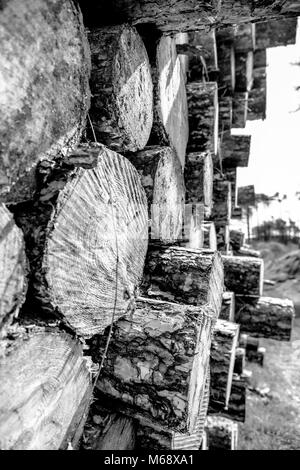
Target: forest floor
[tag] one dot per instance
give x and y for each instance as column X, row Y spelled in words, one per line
column 273, row 405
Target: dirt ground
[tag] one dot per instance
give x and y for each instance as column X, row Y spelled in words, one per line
column 273, row 408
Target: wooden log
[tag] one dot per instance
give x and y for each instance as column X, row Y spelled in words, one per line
column 243, row 71
column 182, row 39
column 161, row 336
column 249, row 343
column 122, row 104
column 260, row 78
column 13, row 267
column 266, row 317
column 184, row 275
column 170, row 122
column 203, row 116
column 228, row 307
column 44, row 69
column 239, row 109
column 259, row 59
column 162, row 178
column 246, row 195
column 204, row 62
column 244, row 37
column 257, row 356
column 237, row 238
column 274, row 33
column 225, row 114
column 83, row 253
column 222, row 232
column 192, row 227
column 243, row 275
column 234, row 11
column 257, row 104
column 204, row 443
column 221, row 211
column 229, row 174
column 222, row 433
column 44, row 378
column 209, row 236
column 198, row 175
column 240, row 360
column 222, row 357
column 237, row 403
column 243, row 251
column 226, row 63
column 235, row 151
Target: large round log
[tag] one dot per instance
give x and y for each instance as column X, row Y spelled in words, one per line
column 122, row 92
column 162, row 178
column 170, row 123
column 198, row 175
column 13, row 267
column 203, row 116
column 43, row 379
column 243, row 275
column 266, row 317
column 44, row 95
column 243, row 71
column 86, row 235
column 184, row 275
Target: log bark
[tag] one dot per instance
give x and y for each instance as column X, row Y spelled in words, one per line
column 170, row 122
column 160, row 337
column 266, row 317
column 246, row 195
column 198, row 175
column 239, row 109
column 162, row 178
column 203, row 116
column 222, row 357
column 237, row 238
column 122, row 105
column 257, row 104
column 235, row 151
column 221, row 211
column 222, row 232
column 274, row 33
column 244, row 37
column 225, row 114
column 260, row 78
column 184, row 275
column 44, row 70
column 206, row 44
column 237, row 403
column 209, row 236
column 226, row 63
column 44, row 377
column 259, row 59
column 240, row 360
column 249, row 343
column 243, row 275
column 228, row 307
column 222, row 433
column 243, row 71
column 13, row 267
column 83, row 253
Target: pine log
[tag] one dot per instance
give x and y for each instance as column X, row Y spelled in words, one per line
column 243, row 71
column 228, row 307
column 43, row 379
column 237, row 238
column 246, row 195
column 160, row 337
column 240, row 360
column 13, row 268
column 184, row 275
column 243, row 275
column 209, row 236
column 44, row 70
column 198, row 175
column 243, row 251
column 221, row 211
column 122, row 104
column 239, row 109
column 222, row 232
column 203, row 116
column 222, row 357
column 222, row 433
column 274, row 33
column 266, row 317
column 162, row 178
column 203, row 63
column 235, row 151
column 225, row 114
column 84, row 255
column 237, row 403
column 182, row 39
column 226, row 64
column 193, row 226
column 244, row 37
column 170, row 122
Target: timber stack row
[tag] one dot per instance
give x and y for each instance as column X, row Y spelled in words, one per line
column 127, row 304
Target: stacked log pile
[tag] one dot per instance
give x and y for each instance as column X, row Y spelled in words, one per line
column 120, row 301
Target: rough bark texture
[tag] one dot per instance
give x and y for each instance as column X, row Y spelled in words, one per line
column 228, row 307
column 240, row 360
column 86, row 237
column 222, row 357
column 198, row 176
column 221, row 211
column 44, row 74
column 237, row 238
column 209, row 236
column 235, row 151
column 162, row 178
column 237, row 403
column 225, row 114
column 156, row 364
column 276, row 33
column 184, row 275
column 206, row 43
column 226, row 64
column 244, row 37
column 239, row 109
column 243, row 275
column 266, row 317
column 246, row 195
column 13, row 268
column 121, row 85
column 43, row 380
column 243, row 71
column 203, row 116
column 170, row 122
column 222, row 433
